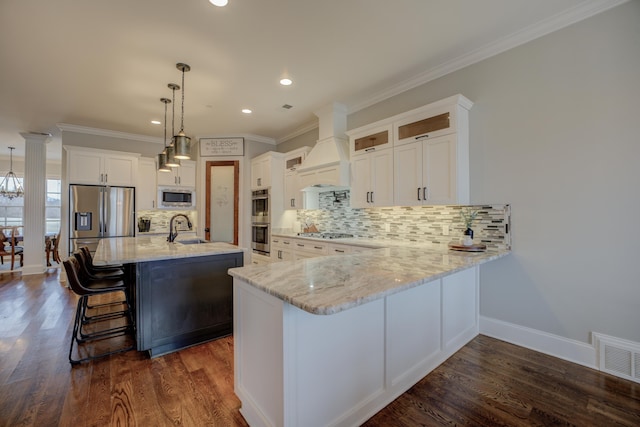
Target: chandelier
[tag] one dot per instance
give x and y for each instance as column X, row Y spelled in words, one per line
column 10, row 186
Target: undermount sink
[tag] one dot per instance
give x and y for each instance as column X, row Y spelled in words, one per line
column 192, row 241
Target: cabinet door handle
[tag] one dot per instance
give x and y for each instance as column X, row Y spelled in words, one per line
column 106, row 178
column 370, row 149
column 368, row 197
column 424, row 193
column 422, row 136
column 302, row 246
column 418, row 193
column 339, row 251
column 372, row 197
column 285, row 243
column 318, row 247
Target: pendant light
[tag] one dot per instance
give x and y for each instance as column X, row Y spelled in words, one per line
column 172, row 161
column 181, row 142
column 10, row 186
column 162, row 157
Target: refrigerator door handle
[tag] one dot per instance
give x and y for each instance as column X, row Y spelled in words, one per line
column 101, row 225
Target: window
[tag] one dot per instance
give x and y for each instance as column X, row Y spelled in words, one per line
column 53, row 206
column 12, row 210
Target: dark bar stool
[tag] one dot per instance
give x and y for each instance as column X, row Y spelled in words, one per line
column 86, row 287
column 96, row 272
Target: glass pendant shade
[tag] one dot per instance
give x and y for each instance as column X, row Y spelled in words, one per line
column 162, row 162
column 172, row 161
column 182, row 144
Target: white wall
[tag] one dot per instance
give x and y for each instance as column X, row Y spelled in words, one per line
column 555, row 132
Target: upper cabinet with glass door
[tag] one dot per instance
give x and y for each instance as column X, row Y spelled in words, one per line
column 431, row 154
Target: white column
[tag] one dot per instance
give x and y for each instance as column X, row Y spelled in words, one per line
column 35, row 181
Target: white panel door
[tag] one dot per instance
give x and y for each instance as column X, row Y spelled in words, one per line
column 360, row 182
column 382, row 178
column 408, row 175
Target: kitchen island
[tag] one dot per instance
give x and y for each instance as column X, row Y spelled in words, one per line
column 332, row 340
column 181, row 291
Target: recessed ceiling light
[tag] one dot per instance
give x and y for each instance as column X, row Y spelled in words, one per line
column 219, row 3
column 247, row 111
column 156, row 122
column 285, row 82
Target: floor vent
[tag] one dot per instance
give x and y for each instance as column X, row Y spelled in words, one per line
column 618, row 357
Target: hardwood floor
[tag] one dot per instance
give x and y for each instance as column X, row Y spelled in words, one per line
column 487, row 383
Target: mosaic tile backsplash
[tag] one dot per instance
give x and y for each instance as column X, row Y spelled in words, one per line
column 410, row 223
column 160, row 220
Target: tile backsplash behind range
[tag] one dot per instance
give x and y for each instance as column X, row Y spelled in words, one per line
column 410, row 223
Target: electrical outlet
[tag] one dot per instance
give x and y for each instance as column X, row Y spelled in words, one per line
column 387, row 227
column 445, row 229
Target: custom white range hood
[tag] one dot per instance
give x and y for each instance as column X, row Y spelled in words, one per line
column 327, row 164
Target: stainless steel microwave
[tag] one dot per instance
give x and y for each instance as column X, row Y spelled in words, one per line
column 176, row 198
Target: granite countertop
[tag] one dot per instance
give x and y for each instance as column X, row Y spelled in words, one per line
column 330, row 284
column 124, row 250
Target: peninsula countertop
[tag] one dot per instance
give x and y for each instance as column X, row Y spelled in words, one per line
column 124, row 250
column 330, row 284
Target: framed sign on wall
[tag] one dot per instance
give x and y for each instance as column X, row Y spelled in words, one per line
column 210, row 147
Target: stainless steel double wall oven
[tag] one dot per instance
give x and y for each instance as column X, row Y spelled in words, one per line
column 260, row 222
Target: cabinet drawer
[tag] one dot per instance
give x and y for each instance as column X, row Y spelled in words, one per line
column 339, row 249
column 316, row 248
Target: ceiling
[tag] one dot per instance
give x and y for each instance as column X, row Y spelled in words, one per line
column 106, row 64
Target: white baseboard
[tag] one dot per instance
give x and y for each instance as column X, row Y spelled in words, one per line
column 553, row 345
column 33, row 269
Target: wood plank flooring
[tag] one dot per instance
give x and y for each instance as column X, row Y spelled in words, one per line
column 487, row 383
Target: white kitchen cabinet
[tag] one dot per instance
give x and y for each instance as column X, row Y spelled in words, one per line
column 257, row 259
column 431, row 154
column 101, row 167
column 261, row 172
column 429, row 173
column 281, row 249
column 426, row 173
column 341, row 249
column 294, row 197
column 375, row 137
column 146, row 189
column 372, row 179
column 401, row 338
column 309, row 249
column 182, row 176
column 294, row 158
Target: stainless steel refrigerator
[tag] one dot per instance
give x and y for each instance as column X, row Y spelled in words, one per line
column 99, row 212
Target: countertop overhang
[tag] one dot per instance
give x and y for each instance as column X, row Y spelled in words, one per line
column 125, row 250
column 331, row 284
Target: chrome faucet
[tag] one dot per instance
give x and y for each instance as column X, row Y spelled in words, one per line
column 174, row 233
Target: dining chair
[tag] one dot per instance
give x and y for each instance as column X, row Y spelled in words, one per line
column 9, row 245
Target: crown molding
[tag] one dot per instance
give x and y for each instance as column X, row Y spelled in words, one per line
column 251, row 137
column 527, row 34
column 299, row 131
column 65, row 127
